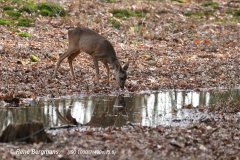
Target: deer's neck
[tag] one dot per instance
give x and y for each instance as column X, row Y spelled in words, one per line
column 113, row 61
column 116, row 65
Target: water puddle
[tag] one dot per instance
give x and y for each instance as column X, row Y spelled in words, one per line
column 175, row 108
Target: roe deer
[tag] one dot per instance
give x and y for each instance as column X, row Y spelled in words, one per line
column 86, row 40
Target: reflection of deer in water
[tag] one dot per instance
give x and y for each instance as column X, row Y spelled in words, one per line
column 68, row 119
column 104, row 119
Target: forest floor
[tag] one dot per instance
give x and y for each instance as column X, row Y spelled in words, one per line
column 169, row 46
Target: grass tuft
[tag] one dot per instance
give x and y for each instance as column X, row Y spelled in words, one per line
column 24, row 34
column 49, row 9
column 210, row 4
column 123, row 13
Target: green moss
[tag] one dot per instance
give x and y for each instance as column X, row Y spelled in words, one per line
column 234, row 19
column 45, row 12
column 237, row 13
column 210, row 4
column 122, row 13
column 13, row 13
column 233, row 12
column 33, row 58
column 31, row 8
column 226, row 20
column 19, row 2
column 24, row 22
column 135, row 43
column 23, row 34
column 179, row 1
column 115, row 24
column 44, row 29
column 230, row 11
column 147, row 56
column 49, row 9
column 111, row 1
column 6, row 8
column 4, row 21
column 198, row 14
column 188, row 14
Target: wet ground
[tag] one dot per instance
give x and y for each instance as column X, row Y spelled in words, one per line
column 169, row 108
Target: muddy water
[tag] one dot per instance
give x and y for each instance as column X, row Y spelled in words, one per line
column 162, row 108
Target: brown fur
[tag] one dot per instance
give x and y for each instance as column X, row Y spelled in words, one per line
column 88, row 41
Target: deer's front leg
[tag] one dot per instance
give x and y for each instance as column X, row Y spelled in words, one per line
column 95, row 60
column 106, row 65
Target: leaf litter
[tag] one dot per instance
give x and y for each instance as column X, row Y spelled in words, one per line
column 166, row 50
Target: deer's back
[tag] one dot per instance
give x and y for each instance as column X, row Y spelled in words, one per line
column 91, row 42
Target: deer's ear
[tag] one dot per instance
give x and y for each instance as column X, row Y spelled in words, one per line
column 125, row 67
column 119, row 69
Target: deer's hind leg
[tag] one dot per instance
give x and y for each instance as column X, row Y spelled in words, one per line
column 66, row 54
column 61, row 58
column 95, row 61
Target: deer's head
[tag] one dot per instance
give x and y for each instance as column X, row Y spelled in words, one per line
column 121, row 75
